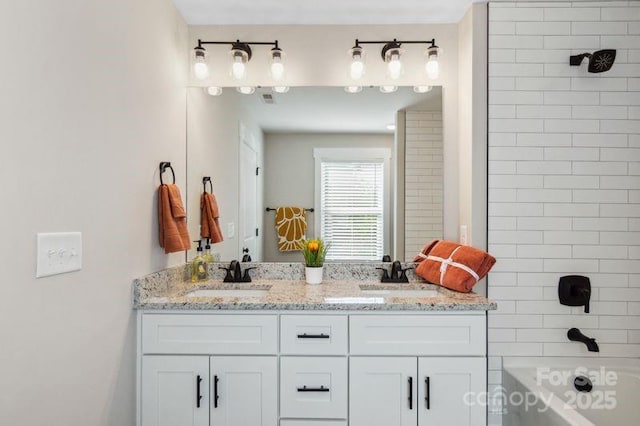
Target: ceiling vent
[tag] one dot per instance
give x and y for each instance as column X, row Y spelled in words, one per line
column 267, row 98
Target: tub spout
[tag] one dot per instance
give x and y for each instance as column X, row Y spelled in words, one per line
column 576, row 335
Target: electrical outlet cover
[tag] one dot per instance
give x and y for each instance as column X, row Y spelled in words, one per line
column 58, row 253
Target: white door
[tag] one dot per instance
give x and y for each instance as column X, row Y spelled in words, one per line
column 450, row 390
column 175, row 391
column 244, row 391
column 248, row 197
column 382, row 391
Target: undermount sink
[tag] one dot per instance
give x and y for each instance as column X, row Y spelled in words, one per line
column 401, row 292
column 235, row 292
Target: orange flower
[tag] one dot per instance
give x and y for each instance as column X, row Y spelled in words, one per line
column 314, row 245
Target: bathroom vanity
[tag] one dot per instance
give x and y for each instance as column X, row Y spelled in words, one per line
column 273, row 352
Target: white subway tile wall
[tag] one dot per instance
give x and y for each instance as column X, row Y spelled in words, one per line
column 423, row 180
column 564, row 179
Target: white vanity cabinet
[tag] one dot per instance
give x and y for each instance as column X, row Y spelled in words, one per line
column 321, row 368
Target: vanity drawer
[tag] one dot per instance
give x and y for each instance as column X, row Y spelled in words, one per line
column 313, row 387
column 313, row 423
column 417, row 335
column 209, row 334
column 313, row 334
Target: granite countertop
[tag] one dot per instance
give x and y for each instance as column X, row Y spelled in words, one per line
column 170, row 290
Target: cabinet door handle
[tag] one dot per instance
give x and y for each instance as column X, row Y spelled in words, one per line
column 410, row 393
column 427, row 392
column 313, row 336
column 306, row 389
column 198, row 392
column 215, row 391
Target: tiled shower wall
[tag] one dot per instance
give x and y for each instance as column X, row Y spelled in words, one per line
column 423, row 179
column 564, row 178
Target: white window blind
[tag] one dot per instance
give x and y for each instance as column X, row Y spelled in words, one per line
column 352, row 209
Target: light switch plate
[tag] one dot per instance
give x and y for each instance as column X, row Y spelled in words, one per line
column 231, row 230
column 464, row 237
column 58, row 253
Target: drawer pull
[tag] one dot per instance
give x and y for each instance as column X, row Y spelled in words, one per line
column 427, row 393
column 306, row 389
column 313, row 336
column 198, row 392
column 215, row 391
column 410, row 393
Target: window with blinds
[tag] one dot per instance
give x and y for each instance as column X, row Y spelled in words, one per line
column 352, row 209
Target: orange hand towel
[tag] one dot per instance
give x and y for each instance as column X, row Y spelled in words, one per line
column 452, row 265
column 209, row 218
column 291, row 227
column 172, row 220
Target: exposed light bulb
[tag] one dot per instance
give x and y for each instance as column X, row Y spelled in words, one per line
column 238, row 68
column 432, row 67
column 246, row 90
column 388, row 89
column 280, row 89
column 214, row 90
column 200, row 67
column 394, row 66
column 422, row 89
column 277, row 66
column 356, row 69
column 353, row 89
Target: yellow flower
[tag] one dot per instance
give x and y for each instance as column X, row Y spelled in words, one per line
column 314, row 245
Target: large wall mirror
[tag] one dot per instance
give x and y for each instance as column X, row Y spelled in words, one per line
column 366, row 168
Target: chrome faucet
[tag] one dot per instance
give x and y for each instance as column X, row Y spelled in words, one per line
column 576, row 335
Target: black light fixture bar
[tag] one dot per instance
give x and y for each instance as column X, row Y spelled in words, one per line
column 231, row 43
column 432, row 42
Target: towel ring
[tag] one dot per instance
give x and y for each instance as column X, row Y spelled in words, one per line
column 204, row 183
column 163, row 167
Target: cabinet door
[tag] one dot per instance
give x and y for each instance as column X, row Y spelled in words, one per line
column 449, row 391
column 245, row 391
column 382, row 391
column 175, row 391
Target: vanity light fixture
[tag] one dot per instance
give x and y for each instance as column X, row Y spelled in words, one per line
column 246, row 90
column 353, row 89
column 391, row 54
column 240, row 56
column 280, row 89
column 214, row 90
column 422, row 89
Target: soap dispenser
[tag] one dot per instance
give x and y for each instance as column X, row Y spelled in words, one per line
column 199, row 265
column 208, row 257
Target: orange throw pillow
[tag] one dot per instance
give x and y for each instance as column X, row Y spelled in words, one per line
column 452, row 265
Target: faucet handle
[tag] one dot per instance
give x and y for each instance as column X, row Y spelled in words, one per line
column 228, row 277
column 246, row 278
column 385, row 273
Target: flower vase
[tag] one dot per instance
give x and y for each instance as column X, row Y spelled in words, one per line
column 313, row 275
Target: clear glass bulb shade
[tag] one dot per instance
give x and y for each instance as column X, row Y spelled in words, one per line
column 277, row 64
column 238, row 68
column 201, row 70
column 394, row 66
column 356, row 71
column 388, row 89
column 214, row 90
column 421, row 89
column 432, row 68
column 353, row 89
column 246, row 90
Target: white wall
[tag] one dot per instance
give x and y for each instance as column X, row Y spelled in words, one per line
column 290, row 178
column 92, row 100
column 564, row 184
column 423, row 216
column 317, row 56
column 213, row 149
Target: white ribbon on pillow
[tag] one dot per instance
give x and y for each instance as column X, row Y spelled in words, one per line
column 444, row 264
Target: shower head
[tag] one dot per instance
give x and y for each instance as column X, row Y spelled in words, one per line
column 599, row 61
